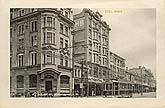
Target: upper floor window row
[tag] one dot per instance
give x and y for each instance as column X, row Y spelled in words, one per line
column 64, row 29
column 21, row 12
column 49, row 37
column 21, row 29
column 49, row 22
column 79, row 23
column 33, row 26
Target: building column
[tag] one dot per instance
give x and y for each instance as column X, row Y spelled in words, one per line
column 118, row 88
column 112, row 89
column 26, row 82
column 14, row 84
column 95, row 89
column 38, row 83
column 87, row 89
column 58, row 85
column 71, row 84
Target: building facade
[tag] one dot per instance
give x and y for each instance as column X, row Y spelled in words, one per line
column 40, row 59
column 120, row 79
column 91, row 33
column 142, row 79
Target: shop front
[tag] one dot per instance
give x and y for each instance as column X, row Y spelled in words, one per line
column 48, row 80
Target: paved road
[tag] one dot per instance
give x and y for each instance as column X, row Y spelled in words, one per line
column 145, row 95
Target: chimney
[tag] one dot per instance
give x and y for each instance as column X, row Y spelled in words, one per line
column 139, row 67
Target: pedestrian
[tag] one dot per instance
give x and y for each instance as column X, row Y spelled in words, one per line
column 138, row 91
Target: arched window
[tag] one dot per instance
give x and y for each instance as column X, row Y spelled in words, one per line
column 32, row 81
column 64, row 81
column 20, row 81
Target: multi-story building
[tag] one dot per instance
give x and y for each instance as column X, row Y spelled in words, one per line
column 91, row 33
column 143, row 79
column 119, row 77
column 39, row 61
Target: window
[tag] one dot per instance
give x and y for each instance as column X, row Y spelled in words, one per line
column 19, row 13
column 99, row 49
column 49, row 37
column 81, row 22
column 103, row 62
column 34, row 40
column 32, row 81
column 61, row 59
column 99, row 38
column 76, row 23
column 66, row 14
column 100, row 73
column 54, row 38
column 104, row 74
column 96, row 71
column 54, row 58
column 95, row 58
column 49, row 57
column 66, row 30
column 66, row 60
column 21, row 29
column 78, row 73
column 90, row 33
column 22, row 11
column 90, row 56
column 104, row 51
column 44, row 37
column 20, row 60
column 99, row 60
column 34, row 26
column 64, row 81
column 66, row 43
column 44, row 58
column 34, row 58
column 61, row 28
column 49, row 21
column 90, row 70
column 61, row 42
column 54, row 22
column 20, row 81
column 75, row 72
column 44, row 21
column 32, row 9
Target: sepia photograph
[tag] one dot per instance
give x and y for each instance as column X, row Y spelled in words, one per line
column 83, row 53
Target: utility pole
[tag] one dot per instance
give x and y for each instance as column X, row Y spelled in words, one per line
column 72, row 32
column 81, row 86
column 141, row 81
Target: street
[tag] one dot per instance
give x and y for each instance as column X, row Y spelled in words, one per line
column 145, row 95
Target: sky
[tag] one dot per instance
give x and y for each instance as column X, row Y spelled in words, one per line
column 132, row 35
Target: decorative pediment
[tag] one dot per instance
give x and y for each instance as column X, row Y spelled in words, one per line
column 49, row 73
